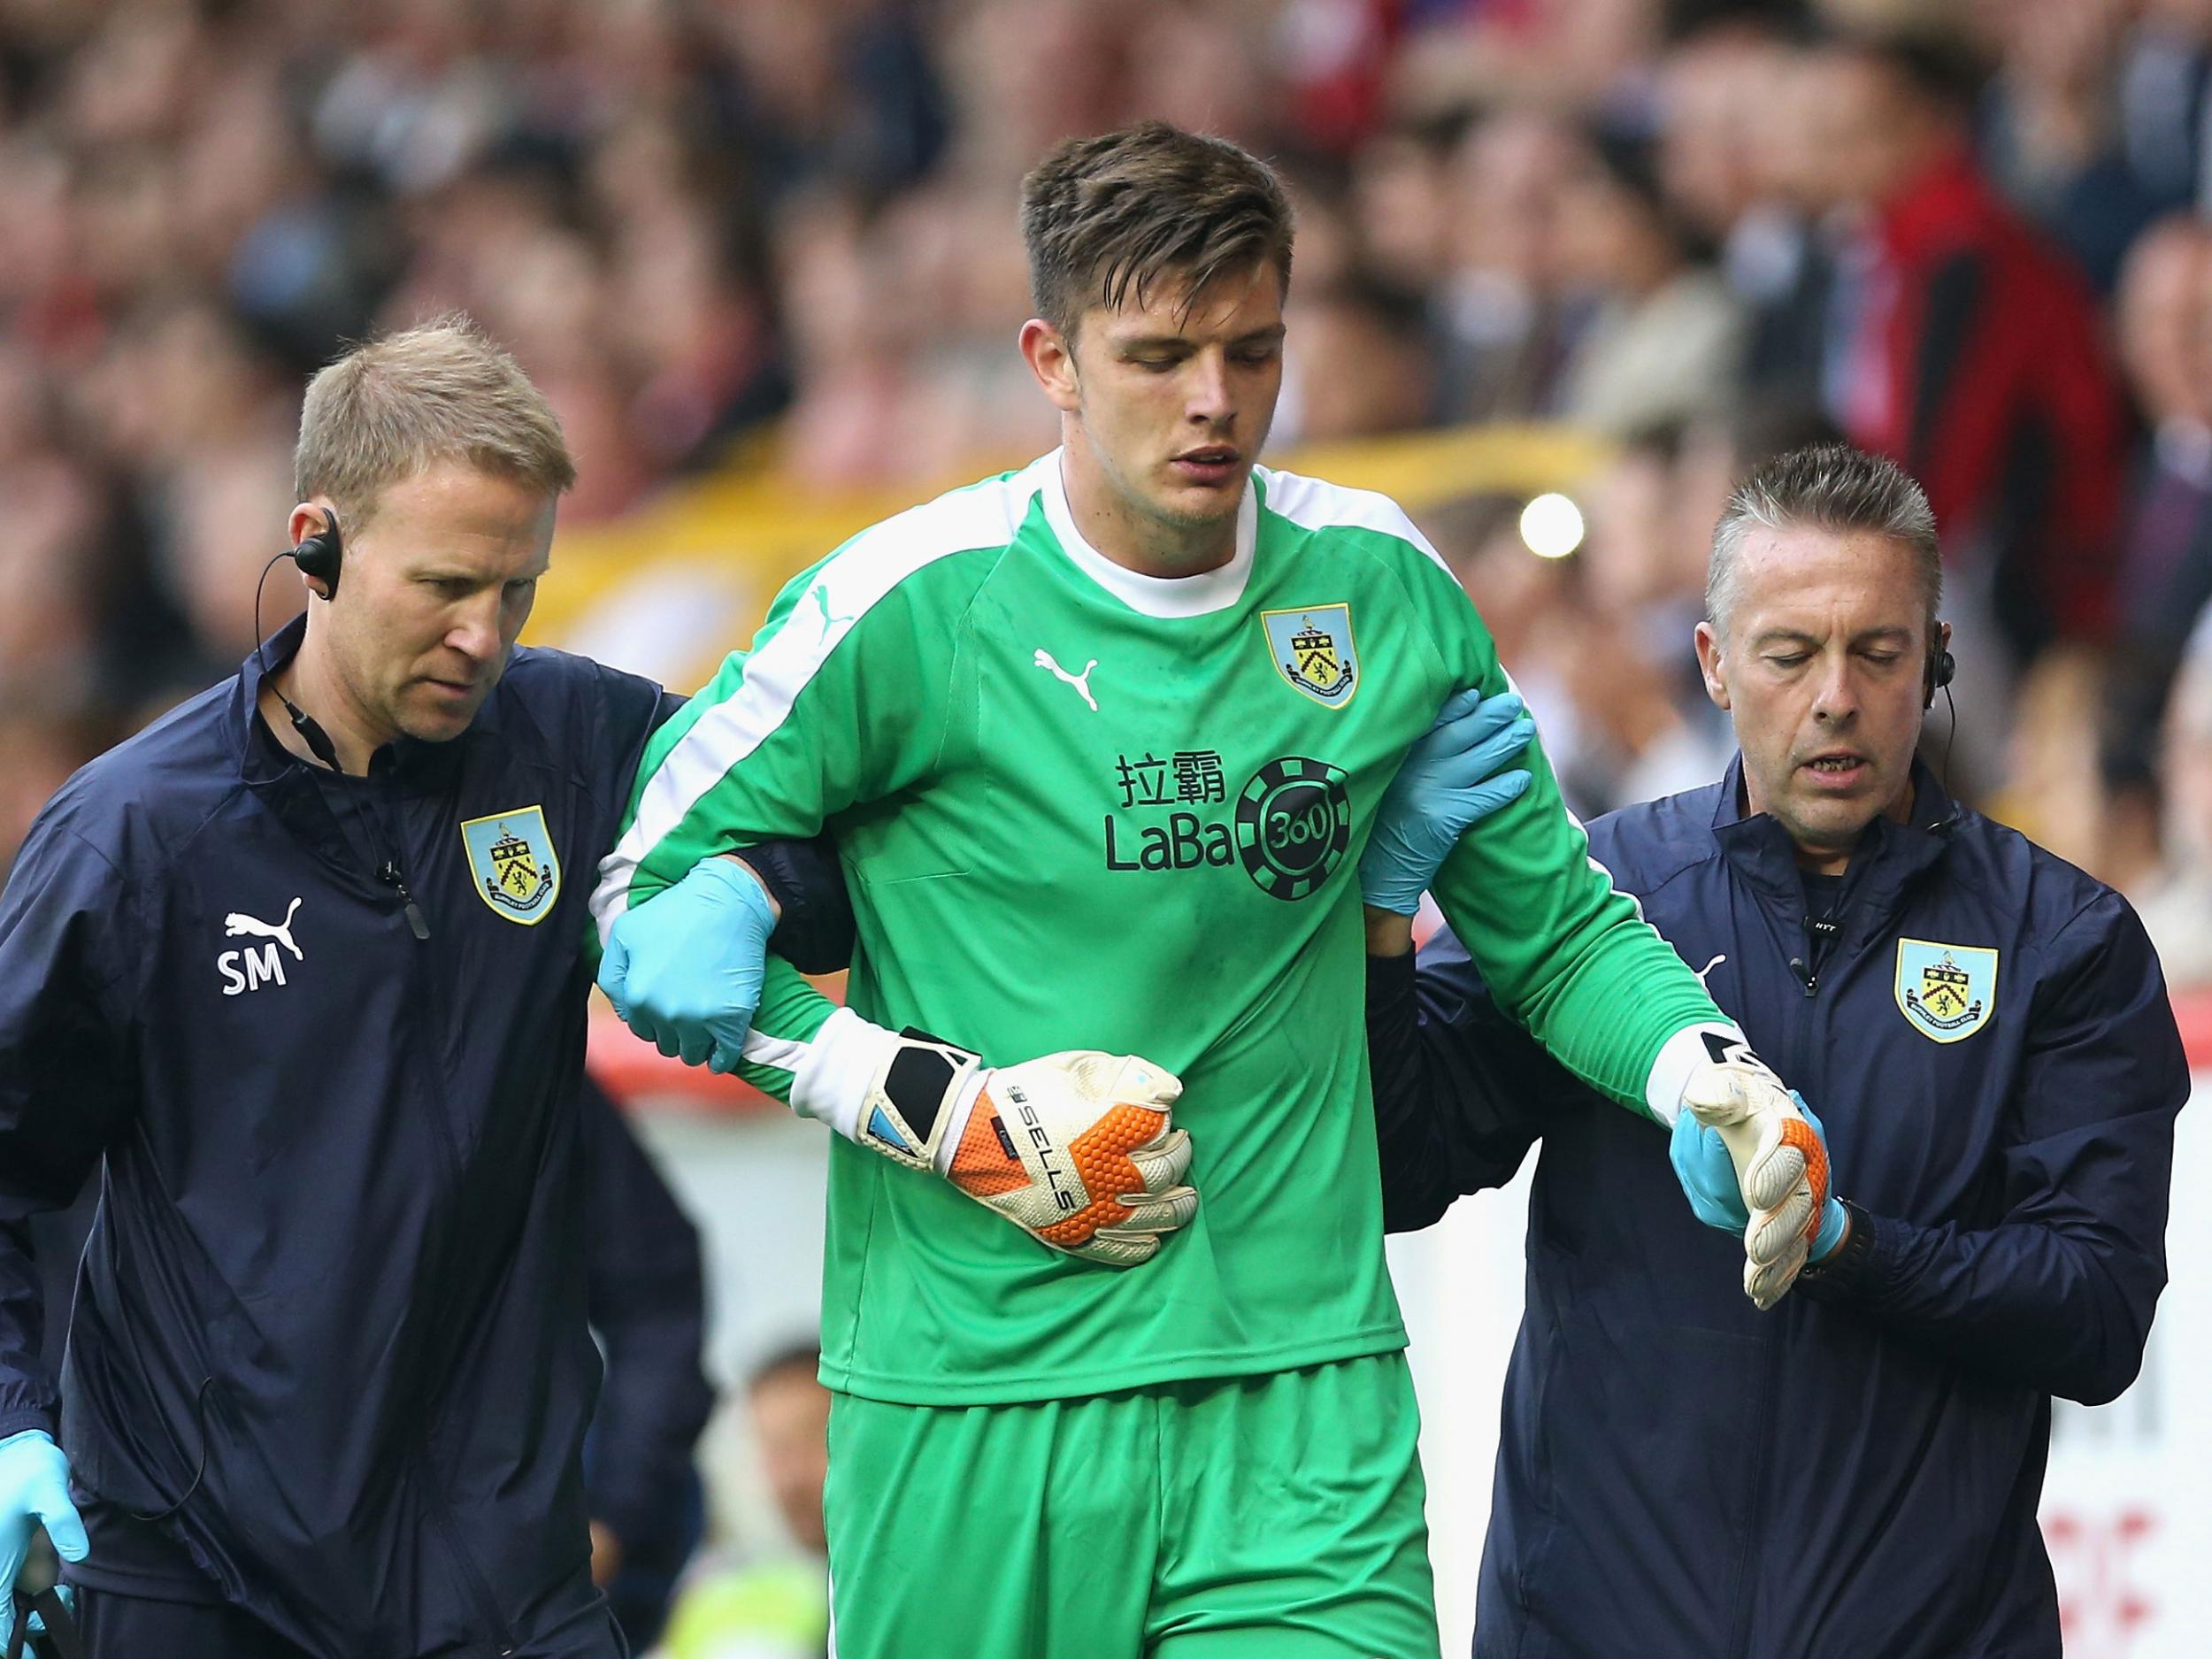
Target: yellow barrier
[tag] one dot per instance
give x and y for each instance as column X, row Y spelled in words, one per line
column 725, row 543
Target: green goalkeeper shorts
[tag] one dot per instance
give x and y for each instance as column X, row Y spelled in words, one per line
column 1258, row 1518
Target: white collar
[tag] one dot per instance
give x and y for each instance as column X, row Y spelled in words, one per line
column 1152, row 595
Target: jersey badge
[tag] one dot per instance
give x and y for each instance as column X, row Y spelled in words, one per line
column 1312, row 649
column 1945, row 992
column 512, row 857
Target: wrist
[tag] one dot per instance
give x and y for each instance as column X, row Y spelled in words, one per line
column 747, row 883
column 1388, row 895
column 1389, row 933
column 1843, row 1267
column 1394, row 872
column 904, row 1094
column 1835, row 1232
column 841, row 1061
column 1679, row 1060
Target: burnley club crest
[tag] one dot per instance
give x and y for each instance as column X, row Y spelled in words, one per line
column 511, row 859
column 1312, row 648
column 1945, row 991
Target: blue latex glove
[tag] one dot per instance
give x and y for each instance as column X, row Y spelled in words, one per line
column 34, row 1489
column 1707, row 1175
column 1450, row 780
column 684, row 968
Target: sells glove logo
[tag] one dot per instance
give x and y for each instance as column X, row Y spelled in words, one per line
column 511, row 857
column 1945, row 991
column 1312, row 649
column 1294, row 822
column 1056, row 1174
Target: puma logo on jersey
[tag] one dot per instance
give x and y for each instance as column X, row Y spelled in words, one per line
column 254, row 966
column 1082, row 682
column 829, row 623
column 1710, row 966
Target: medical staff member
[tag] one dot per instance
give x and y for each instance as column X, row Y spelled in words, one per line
column 300, row 968
column 1985, row 1032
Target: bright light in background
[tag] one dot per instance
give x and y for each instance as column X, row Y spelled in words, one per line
column 1551, row 527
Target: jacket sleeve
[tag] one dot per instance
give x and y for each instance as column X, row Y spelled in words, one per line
column 815, row 931
column 648, row 1303
column 1460, row 1089
column 2058, row 1294
column 67, row 1070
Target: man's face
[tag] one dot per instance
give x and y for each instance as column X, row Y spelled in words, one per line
column 1876, row 136
column 435, row 588
column 1627, row 560
column 2162, row 316
column 1714, row 96
column 1822, row 673
column 1173, row 400
column 791, row 1426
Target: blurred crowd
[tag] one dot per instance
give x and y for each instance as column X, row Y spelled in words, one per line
column 780, row 235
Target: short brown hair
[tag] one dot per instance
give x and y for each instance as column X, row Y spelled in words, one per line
column 1106, row 219
column 440, row 391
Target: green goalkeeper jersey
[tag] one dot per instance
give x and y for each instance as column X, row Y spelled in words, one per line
column 1082, row 808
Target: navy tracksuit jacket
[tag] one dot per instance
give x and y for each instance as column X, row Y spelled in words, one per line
column 647, row 1297
column 648, row 1306
column 1855, row 1473
column 332, row 1318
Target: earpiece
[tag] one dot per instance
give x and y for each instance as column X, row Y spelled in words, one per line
column 321, row 555
column 318, row 555
column 1941, row 666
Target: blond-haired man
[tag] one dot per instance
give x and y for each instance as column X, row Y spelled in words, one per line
column 301, row 963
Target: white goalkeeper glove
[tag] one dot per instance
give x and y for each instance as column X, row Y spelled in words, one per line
column 1076, row 1149
column 1781, row 1164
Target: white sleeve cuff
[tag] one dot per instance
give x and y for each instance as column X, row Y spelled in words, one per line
column 842, row 1062
column 1679, row 1057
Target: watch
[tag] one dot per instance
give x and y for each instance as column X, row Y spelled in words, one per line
column 1842, row 1264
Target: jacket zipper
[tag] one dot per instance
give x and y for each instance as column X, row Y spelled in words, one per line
column 388, row 874
column 1825, row 932
column 480, row 1591
column 441, row 1507
column 384, row 843
column 1770, row 1370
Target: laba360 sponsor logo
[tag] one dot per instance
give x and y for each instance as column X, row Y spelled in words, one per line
column 1293, row 823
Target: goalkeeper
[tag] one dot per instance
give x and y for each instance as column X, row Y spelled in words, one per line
column 1103, row 742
